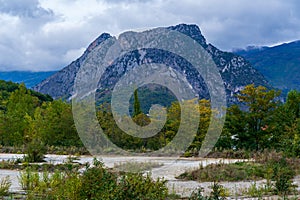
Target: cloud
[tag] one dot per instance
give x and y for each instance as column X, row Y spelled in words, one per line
column 24, row 8
column 235, row 23
column 47, row 35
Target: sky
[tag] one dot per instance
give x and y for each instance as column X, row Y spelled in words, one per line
column 43, row 35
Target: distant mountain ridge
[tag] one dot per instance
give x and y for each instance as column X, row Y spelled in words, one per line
column 30, row 79
column 279, row 64
column 236, row 72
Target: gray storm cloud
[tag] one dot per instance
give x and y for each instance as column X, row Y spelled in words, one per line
column 47, row 35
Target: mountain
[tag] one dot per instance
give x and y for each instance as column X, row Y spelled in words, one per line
column 235, row 71
column 279, row 64
column 30, row 79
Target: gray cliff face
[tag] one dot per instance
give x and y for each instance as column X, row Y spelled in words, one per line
column 235, row 71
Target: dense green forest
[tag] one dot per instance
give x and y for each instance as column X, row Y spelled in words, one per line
column 268, row 123
column 34, row 121
column 265, row 122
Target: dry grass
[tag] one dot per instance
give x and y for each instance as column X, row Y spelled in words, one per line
column 136, row 167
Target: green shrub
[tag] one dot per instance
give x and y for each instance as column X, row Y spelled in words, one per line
column 218, row 193
column 35, row 151
column 5, row 184
column 136, row 186
column 197, row 195
column 226, row 172
column 96, row 182
column 29, row 179
column 59, row 185
column 282, row 175
column 258, row 191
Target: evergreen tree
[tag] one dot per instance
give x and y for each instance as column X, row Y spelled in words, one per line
column 136, row 105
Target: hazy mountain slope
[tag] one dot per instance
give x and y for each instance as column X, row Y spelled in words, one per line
column 30, row 79
column 279, row 64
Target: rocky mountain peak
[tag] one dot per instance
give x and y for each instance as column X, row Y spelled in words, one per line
column 98, row 41
column 235, row 71
column 191, row 30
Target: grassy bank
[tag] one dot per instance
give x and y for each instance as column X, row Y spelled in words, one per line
column 273, row 168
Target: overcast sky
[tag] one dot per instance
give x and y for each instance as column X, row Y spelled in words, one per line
column 43, row 35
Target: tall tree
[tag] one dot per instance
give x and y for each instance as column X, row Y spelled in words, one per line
column 293, row 103
column 34, row 146
column 136, row 106
column 59, row 128
column 261, row 104
column 286, row 125
column 19, row 104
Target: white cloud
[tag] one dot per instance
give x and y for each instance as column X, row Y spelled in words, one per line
column 45, row 35
column 73, row 53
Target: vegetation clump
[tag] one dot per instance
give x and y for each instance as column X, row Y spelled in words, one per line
column 136, row 167
column 95, row 182
column 278, row 172
column 5, row 184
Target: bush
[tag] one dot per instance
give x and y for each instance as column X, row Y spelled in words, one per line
column 226, row 172
column 218, row 193
column 29, row 179
column 44, row 186
column 5, row 184
column 282, row 175
column 258, row 191
column 35, row 151
column 197, row 195
column 95, row 183
column 98, row 183
column 136, row 186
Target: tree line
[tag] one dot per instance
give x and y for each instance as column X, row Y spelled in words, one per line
column 34, row 120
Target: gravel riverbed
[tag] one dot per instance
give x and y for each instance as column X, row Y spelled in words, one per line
column 170, row 168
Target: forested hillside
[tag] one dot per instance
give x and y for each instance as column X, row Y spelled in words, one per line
column 279, row 64
column 32, row 120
